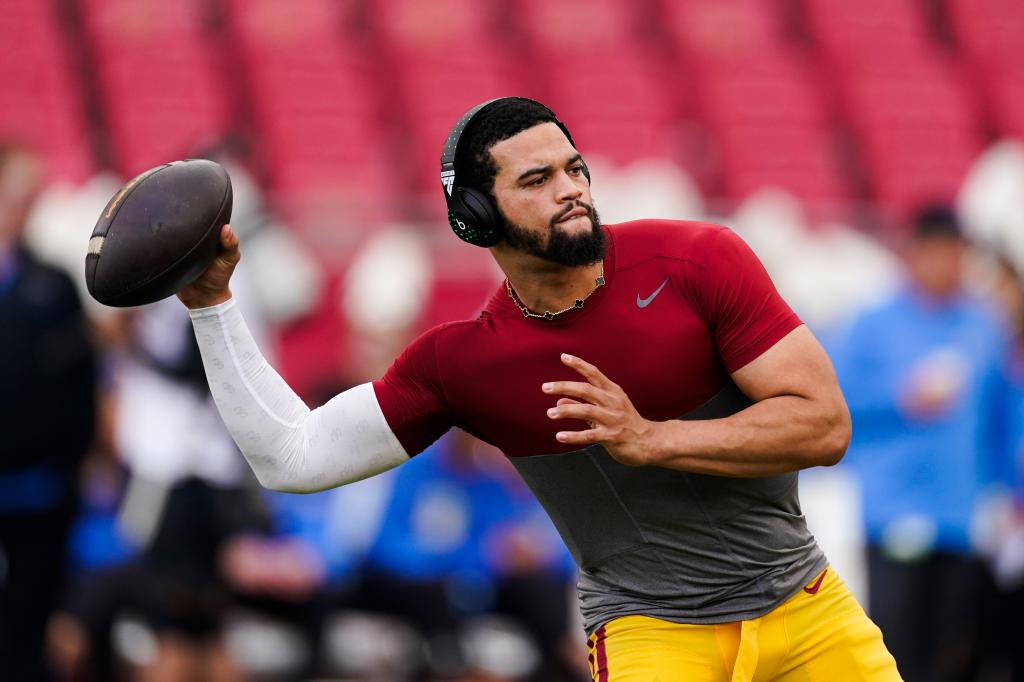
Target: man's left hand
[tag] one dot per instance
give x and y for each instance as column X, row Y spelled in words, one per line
column 613, row 421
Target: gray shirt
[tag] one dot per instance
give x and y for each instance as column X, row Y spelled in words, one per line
column 683, row 547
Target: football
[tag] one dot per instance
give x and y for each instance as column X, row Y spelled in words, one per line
column 158, row 233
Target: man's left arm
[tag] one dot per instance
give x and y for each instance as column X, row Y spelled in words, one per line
column 799, row 418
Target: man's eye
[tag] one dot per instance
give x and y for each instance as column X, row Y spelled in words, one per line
column 576, row 170
column 539, row 181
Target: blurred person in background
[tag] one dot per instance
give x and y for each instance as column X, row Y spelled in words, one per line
column 1008, row 563
column 923, row 374
column 47, row 413
column 458, row 542
column 185, row 501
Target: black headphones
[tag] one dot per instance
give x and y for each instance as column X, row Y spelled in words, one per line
column 471, row 213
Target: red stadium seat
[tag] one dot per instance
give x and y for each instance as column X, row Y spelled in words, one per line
column 868, row 30
column 1006, row 99
column 182, row 100
column 40, row 101
column 723, row 30
column 917, row 134
column 429, row 24
column 275, row 26
column 799, row 159
column 915, row 123
column 570, row 26
column 438, row 73
column 314, row 103
column 914, row 166
column 591, row 62
column 990, row 31
column 991, row 35
column 785, row 93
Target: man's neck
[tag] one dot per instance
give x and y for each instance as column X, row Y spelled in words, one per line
column 541, row 285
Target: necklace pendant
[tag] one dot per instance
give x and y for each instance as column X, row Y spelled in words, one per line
column 526, row 313
column 548, row 315
column 599, row 281
column 579, row 303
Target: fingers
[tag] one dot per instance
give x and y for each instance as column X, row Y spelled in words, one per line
column 581, row 411
column 228, row 238
column 229, row 243
column 567, row 401
column 588, row 437
column 592, row 373
column 575, row 389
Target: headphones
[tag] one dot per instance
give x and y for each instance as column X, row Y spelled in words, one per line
column 471, row 213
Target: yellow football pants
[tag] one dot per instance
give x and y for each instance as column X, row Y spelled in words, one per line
column 819, row 635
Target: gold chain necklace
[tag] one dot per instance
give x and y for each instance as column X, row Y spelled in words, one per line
column 547, row 314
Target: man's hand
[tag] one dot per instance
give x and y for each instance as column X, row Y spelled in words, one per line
column 211, row 287
column 614, row 422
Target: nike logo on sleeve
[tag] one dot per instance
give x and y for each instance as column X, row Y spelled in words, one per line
column 644, row 302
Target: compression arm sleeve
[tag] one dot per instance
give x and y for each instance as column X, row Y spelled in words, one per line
column 289, row 447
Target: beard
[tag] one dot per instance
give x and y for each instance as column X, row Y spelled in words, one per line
column 570, row 250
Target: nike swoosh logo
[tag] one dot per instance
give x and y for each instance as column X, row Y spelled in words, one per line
column 813, row 589
column 644, row 302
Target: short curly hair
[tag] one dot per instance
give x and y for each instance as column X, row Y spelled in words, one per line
column 474, row 165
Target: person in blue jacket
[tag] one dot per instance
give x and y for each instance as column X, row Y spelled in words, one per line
column 1006, row 636
column 924, row 376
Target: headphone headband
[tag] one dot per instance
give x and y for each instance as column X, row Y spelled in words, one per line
column 471, row 213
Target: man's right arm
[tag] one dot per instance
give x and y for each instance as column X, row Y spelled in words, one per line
column 289, row 447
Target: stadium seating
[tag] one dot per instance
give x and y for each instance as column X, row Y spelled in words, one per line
column 350, row 101
column 905, row 100
column 727, row 30
column 309, row 79
column 444, row 58
column 886, row 31
column 917, row 127
column 758, row 99
column 990, row 34
column 179, row 99
column 41, row 103
column 590, row 63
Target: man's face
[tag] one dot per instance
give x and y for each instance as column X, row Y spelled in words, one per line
column 20, row 179
column 544, row 197
column 936, row 264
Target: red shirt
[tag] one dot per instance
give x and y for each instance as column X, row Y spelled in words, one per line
column 684, row 305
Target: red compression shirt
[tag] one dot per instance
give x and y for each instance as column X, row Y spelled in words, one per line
column 685, row 304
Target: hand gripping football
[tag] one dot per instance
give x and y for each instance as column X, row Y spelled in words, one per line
column 158, row 233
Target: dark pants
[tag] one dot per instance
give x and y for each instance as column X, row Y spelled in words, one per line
column 538, row 602
column 932, row 613
column 176, row 585
column 33, row 554
column 1003, row 637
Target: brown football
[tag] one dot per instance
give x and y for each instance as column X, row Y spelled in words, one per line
column 158, row 233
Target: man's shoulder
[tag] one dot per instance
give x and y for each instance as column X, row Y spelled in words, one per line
column 446, row 336
column 641, row 240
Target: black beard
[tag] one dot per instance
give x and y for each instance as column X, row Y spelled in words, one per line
column 561, row 248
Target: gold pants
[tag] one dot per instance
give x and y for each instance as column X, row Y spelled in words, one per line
column 821, row 634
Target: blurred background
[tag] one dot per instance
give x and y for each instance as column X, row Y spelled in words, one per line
column 871, row 152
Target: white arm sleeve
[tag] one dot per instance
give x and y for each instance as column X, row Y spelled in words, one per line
column 290, row 447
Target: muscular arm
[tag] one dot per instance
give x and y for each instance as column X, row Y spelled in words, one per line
column 798, row 420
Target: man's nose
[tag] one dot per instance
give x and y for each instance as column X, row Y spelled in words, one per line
column 567, row 189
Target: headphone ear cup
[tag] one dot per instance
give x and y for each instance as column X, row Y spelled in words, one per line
column 474, row 219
